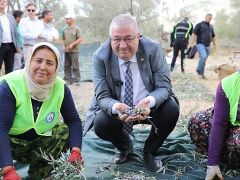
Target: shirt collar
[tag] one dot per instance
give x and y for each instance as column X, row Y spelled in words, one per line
column 35, row 18
column 133, row 59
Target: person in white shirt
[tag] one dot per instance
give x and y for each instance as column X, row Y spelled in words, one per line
column 51, row 33
column 8, row 38
column 31, row 29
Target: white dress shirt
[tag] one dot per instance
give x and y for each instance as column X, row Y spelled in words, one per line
column 30, row 29
column 51, row 32
column 139, row 90
column 6, row 36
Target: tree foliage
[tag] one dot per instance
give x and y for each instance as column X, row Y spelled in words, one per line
column 99, row 13
column 227, row 25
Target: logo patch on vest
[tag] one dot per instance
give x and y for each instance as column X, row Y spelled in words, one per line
column 50, row 117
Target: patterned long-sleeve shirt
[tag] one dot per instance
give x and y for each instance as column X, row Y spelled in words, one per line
column 219, row 127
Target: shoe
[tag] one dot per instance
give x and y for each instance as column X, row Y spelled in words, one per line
column 152, row 162
column 198, row 72
column 204, row 77
column 121, row 156
column 77, row 83
column 171, row 69
column 182, row 70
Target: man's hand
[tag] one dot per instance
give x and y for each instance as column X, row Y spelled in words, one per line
column 120, row 108
column 142, row 106
column 65, row 50
column 213, row 171
column 10, row 174
column 71, row 46
column 192, row 40
column 75, row 156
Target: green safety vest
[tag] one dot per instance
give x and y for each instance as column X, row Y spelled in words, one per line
column 49, row 112
column 231, row 87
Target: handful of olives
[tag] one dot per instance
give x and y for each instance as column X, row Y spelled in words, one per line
column 134, row 111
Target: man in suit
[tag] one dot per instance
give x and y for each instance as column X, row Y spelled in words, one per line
column 8, row 38
column 151, row 91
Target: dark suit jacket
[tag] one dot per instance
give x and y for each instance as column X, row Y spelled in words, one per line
column 106, row 76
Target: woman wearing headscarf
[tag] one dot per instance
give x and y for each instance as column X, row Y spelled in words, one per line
column 31, row 101
column 217, row 133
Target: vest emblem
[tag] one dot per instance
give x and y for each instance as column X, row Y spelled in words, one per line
column 50, row 117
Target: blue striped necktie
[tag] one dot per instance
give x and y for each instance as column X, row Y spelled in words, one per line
column 128, row 96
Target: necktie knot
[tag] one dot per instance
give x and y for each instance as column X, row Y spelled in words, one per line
column 127, row 64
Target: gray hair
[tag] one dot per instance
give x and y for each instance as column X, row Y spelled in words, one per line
column 123, row 20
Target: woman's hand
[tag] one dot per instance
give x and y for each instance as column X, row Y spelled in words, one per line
column 213, row 171
column 9, row 173
column 75, row 156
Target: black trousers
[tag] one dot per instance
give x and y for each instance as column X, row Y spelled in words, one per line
column 7, row 51
column 180, row 44
column 164, row 118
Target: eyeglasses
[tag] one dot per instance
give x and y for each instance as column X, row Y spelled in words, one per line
column 128, row 40
column 29, row 10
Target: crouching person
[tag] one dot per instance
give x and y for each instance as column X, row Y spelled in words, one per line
column 31, row 101
column 217, row 134
column 130, row 70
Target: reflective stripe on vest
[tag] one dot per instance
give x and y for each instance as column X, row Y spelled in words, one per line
column 183, row 28
column 49, row 112
column 231, row 87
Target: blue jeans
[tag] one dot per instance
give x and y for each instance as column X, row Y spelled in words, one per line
column 203, row 55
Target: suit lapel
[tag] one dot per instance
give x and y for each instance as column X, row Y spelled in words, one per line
column 143, row 67
column 115, row 71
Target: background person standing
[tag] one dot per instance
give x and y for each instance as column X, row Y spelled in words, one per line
column 8, row 38
column 71, row 40
column 204, row 34
column 181, row 32
column 51, row 33
column 31, row 29
column 18, row 57
column 17, row 14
